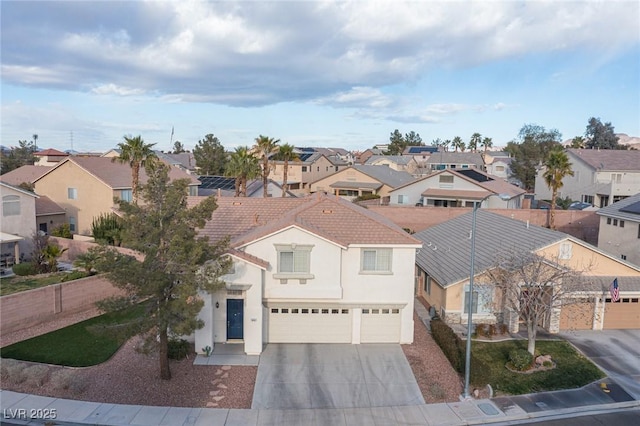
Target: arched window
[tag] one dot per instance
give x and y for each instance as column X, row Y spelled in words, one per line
column 11, row 205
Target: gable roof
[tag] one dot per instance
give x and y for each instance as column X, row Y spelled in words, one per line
column 384, row 174
column 483, row 180
column 50, row 152
column 446, row 250
column 398, row 159
column 115, row 174
column 248, row 219
column 607, row 159
column 17, row 188
column 27, row 174
column 628, row 209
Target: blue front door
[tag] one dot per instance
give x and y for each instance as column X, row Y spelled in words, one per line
column 235, row 312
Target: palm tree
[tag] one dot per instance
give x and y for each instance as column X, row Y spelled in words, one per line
column 446, row 144
column 475, row 140
column 486, row 143
column 557, row 167
column 265, row 147
column 458, row 143
column 285, row 153
column 242, row 165
column 51, row 254
column 138, row 154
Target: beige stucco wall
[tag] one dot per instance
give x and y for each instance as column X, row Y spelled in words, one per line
column 346, row 175
column 588, row 261
column 52, row 221
column 23, row 224
column 94, row 196
column 620, row 241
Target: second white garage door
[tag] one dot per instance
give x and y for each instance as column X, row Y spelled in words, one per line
column 309, row 325
column 380, row 326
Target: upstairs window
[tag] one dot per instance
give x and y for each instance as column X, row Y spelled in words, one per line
column 294, row 261
column 565, row 251
column 126, row 195
column 11, row 205
column 72, row 193
column 376, row 260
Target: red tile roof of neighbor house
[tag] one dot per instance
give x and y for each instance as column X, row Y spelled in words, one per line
column 118, row 175
column 24, row 174
column 248, row 219
column 50, row 152
column 608, row 159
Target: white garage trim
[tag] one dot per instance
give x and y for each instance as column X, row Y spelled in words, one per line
column 309, row 325
column 380, row 325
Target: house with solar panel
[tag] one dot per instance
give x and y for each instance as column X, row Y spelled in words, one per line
column 223, row 186
column 600, row 177
column 619, row 232
column 401, row 163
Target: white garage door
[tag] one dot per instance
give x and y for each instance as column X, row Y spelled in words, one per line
column 309, row 325
column 380, row 326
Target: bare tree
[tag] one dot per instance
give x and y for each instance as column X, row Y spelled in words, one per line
column 533, row 287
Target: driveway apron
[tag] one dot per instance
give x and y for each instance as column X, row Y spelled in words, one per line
column 334, row 376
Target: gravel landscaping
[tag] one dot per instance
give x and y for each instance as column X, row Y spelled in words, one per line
column 130, row 377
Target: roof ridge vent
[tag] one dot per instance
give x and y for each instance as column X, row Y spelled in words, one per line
column 327, row 211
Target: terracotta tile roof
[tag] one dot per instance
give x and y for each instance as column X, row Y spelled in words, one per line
column 249, row 258
column 607, row 159
column 24, row 174
column 118, row 175
column 45, row 206
column 247, row 219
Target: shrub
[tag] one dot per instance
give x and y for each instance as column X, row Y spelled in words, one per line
column 63, row 231
column 503, row 328
column 492, row 330
column 366, row 197
column 547, row 364
column 107, row 228
column 520, row 359
column 36, row 375
column 75, row 275
column 178, row 349
column 448, row 342
column 15, row 371
column 26, row 268
column 481, row 330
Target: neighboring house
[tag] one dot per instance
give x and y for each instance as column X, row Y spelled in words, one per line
column 25, row 174
column 420, row 153
column 18, row 223
column 619, row 232
column 49, row 157
column 339, row 155
column 49, row 215
column 85, row 187
column 309, row 270
column 444, row 160
column 359, row 180
column 185, row 160
column 223, row 186
column 458, row 188
column 362, row 157
column 401, row 163
column 443, row 266
column 498, row 163
column 310, row 167
column 601, row 177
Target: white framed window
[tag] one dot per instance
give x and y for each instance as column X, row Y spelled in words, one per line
column 294, row 261
column 403, row 199
column 566, row 250
column 376, row 260
column 126, row 195
column 481, row 303
column 445, row 179
column 72, row 193
column 72, row 224
column 499, row 168
column 11, row 205
column 474, row 307
column 427, row 284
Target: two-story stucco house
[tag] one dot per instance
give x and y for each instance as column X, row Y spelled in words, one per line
column 619, row 232
column 601, row 177
column 458, row 188
column 309, row 167
column 443, row 269
column 18, row 223
column 85, row 187
column 309, row 270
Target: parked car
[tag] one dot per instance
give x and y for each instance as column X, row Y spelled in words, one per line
column 579, row 205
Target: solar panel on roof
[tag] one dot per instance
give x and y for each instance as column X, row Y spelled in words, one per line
column 217, row 182
column 304, row 157
column 473, row 174
column 632, row 208
column 420, row 149
column 307, row 149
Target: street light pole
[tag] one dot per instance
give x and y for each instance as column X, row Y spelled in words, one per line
column 467, row 361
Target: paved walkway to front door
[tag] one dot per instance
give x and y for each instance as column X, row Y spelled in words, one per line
column 334, row 376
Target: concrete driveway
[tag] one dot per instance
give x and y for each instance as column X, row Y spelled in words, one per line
column 617, row 352
column 334, row 376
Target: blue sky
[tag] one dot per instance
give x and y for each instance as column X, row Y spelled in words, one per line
column 314, row 73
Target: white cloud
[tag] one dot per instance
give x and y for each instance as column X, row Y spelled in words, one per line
column 113, row 89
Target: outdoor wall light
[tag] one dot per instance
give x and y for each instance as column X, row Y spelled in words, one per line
column 217, row 305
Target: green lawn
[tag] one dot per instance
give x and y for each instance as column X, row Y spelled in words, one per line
column 17, row 284
column 78, row 345
column 572, row 369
